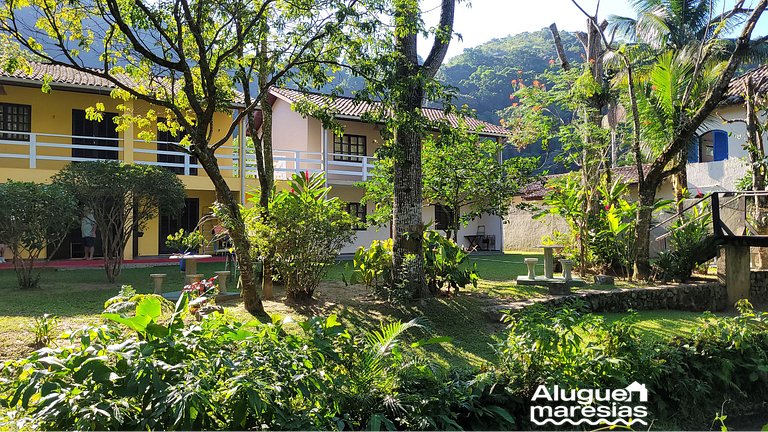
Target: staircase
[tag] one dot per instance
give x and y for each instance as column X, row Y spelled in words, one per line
column 731, row 238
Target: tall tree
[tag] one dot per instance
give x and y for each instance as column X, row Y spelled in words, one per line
column 295, row 42
column 693, row 108
column 408, row 86
column 122, row 199
column 178, row 55
column 678, row 26
column 461, row 170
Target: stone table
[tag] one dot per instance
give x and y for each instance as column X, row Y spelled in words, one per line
column 549, row 259
column 191, row 262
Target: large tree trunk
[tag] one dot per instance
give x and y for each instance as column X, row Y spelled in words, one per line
column 647, row 196
column 236, row 227
column 680, row 180
column 408, row 223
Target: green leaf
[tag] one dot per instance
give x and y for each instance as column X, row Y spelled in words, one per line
column 431, row 341
column 149, row 306
column 138, row 323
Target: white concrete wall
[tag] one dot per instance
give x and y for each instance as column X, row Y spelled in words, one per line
column 522, row 232
column 722, row 175
column 715, row 176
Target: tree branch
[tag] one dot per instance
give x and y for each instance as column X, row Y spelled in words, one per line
column 443, row 37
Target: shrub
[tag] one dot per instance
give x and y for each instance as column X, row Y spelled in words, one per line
column 723, row 363
column 444, row 267
column 691, row 239
column 303, row 232
column 123, row 198
column 444, row 264
column 43, row 328
column 223, row 374
column 34, row 217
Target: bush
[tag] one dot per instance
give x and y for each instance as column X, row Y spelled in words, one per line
column 223, row 374
column 444, row 267
column 34, row 217
column 123, row 198
column 723, row 363
column 691, row 239
column 303, row 232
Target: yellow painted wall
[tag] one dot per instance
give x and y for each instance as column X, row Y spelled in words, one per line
column 52, row 114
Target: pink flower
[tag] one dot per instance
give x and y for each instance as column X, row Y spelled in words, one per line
column 306, row 175
column 607, row 207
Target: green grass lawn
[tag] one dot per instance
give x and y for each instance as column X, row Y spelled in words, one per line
column 77, row 297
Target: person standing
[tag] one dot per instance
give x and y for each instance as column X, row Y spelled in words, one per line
column 2, row 253
column 88, row 231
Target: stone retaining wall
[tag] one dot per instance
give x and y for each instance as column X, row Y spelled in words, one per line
column 758, row 286
column 694, row 297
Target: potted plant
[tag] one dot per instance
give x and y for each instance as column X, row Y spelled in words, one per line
column 185, row 243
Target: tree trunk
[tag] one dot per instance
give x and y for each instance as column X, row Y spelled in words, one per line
column 266, row 182
column 680, row 181
column 250, row 293
column 644, row 217
column 408, row 222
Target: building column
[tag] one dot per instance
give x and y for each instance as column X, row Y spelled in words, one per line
column 128, row 136
column 128, row 144
column 733, row 271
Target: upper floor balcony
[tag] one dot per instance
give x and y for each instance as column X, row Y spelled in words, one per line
column 36, row 156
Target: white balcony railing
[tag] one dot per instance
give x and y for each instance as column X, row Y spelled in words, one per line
column 35, row 148
column 288, row 162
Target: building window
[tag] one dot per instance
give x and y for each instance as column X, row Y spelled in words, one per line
column 443, row 217
column 94, row 134
column 15, row 117
column 713, row 146
column 166, row 142
column 359, row 211
column 349, row 148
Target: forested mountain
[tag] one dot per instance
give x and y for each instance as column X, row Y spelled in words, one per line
column 483, row 74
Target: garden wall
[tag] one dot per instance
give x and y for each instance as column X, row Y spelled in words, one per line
column 758, row 286
column 695, row 297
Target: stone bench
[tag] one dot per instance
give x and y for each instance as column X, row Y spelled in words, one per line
column 192, row 278
column 158, row 278
column 222, row 280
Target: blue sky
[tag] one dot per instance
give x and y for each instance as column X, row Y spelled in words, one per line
column 489, row 19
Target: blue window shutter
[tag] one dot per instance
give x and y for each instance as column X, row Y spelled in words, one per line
column 721, row 145
column 693, row 151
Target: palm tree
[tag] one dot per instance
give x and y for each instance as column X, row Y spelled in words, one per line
column 673, row 34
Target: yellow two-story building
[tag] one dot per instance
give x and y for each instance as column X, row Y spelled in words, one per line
column 40, row 133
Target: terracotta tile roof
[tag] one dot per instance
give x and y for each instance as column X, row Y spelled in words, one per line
column 759, row 79
column 62, row 75
column 69, row 76
column 536, row 190
column 349, row 107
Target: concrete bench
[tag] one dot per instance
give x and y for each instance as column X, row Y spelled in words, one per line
column 192, row 278
column 158, row 278
column 222, row 279
column 531, row 263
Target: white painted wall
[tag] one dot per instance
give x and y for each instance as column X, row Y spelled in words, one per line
column 722, row 175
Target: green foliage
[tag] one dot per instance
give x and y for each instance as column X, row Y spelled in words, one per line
column 482, row 74
column 33, row 218
column 303, row 232
column 691, row 239
column 226, row 375
column 444, row 265
column 43, row 327
column 723, row 362
column 185, row 241
column 460, row 170
column 122, row 198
